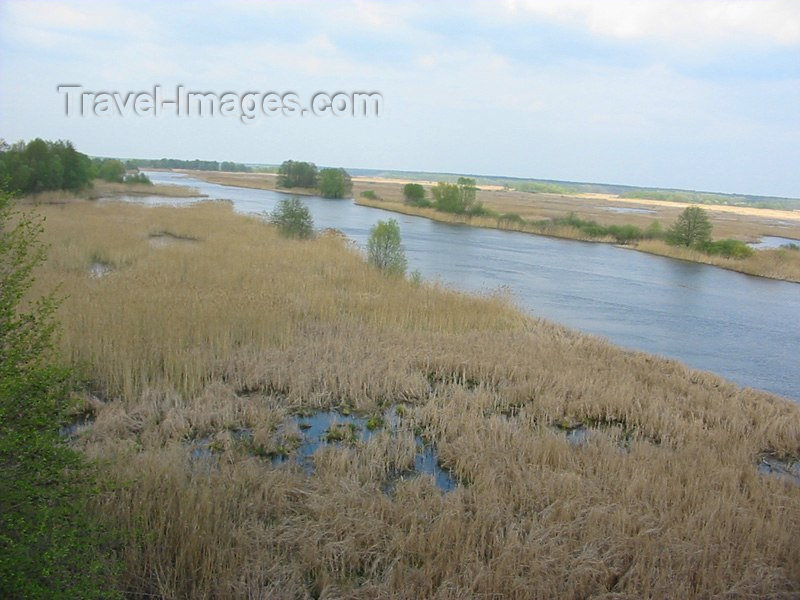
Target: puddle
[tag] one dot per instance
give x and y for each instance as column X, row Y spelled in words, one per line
column 332, row 427
column 99, row 269
column 577, row 436
column 162, row 239
column 77, row 425
column 627, row 210
column 774, row 467
column 769, row 242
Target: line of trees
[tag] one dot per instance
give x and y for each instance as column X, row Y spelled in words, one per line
column 40, row 165
column 191, row 165
column 330, row 182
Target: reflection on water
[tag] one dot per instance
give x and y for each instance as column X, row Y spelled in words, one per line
column 743, row 328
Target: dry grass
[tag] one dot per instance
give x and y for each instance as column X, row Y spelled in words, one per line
column 240, row 328
column 110, row 189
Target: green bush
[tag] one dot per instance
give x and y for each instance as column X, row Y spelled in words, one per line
column 137, row 178
column 334, row 183
column 50, row 544
column 413, row 193
column 385, row 248
column 369, row 194
column 727, row 248
column 292, row 218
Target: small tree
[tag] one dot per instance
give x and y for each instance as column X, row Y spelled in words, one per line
column 413, row 193
column 691, row 228
column 385, row 248
column 334, row 183
column 292, row 218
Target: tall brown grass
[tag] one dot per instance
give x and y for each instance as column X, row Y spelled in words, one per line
column 200, row 339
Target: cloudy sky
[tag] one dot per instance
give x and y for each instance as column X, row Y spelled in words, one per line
column 696, row 94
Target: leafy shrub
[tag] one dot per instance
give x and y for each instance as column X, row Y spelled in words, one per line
column 50, row 546
column 727, row 248
column 413, row 193
column 292, row 218
column 385, row 248
column 369, row 194
column 138, row 178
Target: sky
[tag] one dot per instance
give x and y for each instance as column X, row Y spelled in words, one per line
column 689, row 94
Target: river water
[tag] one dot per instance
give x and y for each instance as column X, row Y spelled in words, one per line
column 745, row 328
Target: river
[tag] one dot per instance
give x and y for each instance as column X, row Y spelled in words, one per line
column 745, row 328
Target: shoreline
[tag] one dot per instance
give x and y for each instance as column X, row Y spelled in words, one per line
column 750, row 266
column 566, row 234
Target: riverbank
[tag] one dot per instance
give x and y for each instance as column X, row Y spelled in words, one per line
column 782, row 264
column 577, row 465
column 744, row 223
column 110, row 189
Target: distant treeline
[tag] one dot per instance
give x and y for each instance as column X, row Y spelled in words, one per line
column 193, row 165
column 40, row 165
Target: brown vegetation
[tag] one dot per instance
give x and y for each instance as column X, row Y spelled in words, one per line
column 241, row 328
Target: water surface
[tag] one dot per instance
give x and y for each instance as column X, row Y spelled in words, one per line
column 744, row 328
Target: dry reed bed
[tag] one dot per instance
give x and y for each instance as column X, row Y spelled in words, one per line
column 242, row 328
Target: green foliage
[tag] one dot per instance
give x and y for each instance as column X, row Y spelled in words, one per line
column 691, row 228
column 369, row 194
column 234, row 167
column 654, row 231
column 109, row 169
column 457, row 197
column 50, row 547
column 334, row 183
column 191, row 165
column 413, row 193
column 292, row 218
column 137, row 178
column 727, row 248
column 622, row 234
column 536, row 187
column 39, row 165
column 293, row 173
column 385, row 248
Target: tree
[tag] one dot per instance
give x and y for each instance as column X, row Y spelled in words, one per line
column 111, row 169
column 691, row 228
column 293, row 173
column 49, row 541
column 413, row 193
column 385, row 248
column 334, row 183
column 292, row 218
column 455, row 197
column 40, row 165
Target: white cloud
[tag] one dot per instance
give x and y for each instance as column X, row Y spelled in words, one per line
column 695, row 21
